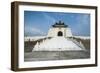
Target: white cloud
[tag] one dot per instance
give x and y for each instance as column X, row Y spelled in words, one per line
column 33, row 31
column 82, row 26
column 50, row 18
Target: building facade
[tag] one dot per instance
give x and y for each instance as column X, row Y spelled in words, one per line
column 59, row 30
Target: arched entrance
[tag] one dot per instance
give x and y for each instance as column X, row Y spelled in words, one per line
column 60, row 33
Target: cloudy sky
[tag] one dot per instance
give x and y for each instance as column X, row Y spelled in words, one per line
column 37, row 23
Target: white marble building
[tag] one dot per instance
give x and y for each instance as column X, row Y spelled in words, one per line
column 59, row 41
column 59, row 29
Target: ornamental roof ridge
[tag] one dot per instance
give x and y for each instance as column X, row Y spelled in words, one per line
column 59, row 24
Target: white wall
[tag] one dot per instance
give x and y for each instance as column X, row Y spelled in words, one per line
column 53, row 32
column 5, row 32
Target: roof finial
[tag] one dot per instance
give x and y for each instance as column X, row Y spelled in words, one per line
column 60, row 22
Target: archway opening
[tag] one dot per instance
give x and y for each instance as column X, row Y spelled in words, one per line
column 60, row 33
